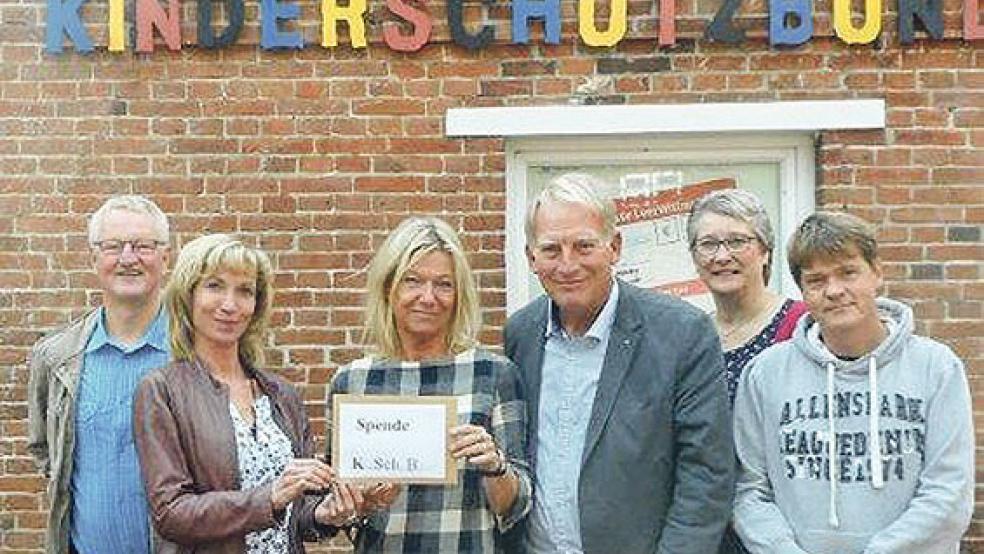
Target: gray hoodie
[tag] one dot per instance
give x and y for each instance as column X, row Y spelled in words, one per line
column 915, row 498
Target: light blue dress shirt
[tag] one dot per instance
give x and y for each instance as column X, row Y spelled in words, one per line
column 109, row 506
column 571, row 368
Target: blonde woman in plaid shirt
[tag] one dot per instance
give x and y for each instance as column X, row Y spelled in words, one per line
column 422, row 322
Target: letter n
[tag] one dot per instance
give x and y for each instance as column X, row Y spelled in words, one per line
column 929, row 12
column 150, row 15
column 331, row 13
column 589, row 31
column 780, row 14
column 64, row 19
column 525, row 10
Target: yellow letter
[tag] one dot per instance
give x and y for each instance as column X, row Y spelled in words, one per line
column 616, row 23
column 331, row 13
column 846, row 30
column 117, row 35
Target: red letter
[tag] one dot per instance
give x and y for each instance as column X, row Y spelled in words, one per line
column 422, row 27
column 972, row 27
column 667, row 22
column 150, row 15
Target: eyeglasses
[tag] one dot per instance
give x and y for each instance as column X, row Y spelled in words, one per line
column 733, row 244
column 140, row 247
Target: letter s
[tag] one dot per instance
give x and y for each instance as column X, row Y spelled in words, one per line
column 422, row 27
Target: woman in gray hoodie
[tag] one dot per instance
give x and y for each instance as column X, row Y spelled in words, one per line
column 856, row 436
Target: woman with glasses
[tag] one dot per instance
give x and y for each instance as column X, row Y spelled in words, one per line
column 422, row 322
column 731, row 242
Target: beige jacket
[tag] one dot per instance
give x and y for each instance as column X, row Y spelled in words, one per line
column 55, row 363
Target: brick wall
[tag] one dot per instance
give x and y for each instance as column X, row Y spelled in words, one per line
column 315, row 154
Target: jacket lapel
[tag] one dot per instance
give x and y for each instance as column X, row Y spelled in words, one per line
column 532, row 365
column 70, row 364
column 622, row 344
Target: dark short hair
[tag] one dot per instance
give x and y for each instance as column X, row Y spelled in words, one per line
column 830, row 234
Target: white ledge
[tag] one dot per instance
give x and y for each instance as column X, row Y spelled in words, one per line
column 666, row 118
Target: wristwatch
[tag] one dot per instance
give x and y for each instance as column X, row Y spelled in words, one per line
column 501, row 470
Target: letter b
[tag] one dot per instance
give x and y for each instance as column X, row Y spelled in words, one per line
column 780, row 12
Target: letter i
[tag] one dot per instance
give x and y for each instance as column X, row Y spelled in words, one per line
column 117, row 34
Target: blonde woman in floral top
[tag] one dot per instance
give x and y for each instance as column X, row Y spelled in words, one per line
column 225, row 448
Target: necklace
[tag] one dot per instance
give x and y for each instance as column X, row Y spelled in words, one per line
column 754, row 322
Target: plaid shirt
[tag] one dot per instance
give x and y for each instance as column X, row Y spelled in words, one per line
column 429, row 518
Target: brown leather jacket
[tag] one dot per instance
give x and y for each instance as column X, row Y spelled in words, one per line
column 187, row 447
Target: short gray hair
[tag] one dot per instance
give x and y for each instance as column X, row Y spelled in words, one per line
column 574, row 188
column 739, row 205
column 828, row 234
column 130, row 203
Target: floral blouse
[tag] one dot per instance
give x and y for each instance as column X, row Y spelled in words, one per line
column 264, row 452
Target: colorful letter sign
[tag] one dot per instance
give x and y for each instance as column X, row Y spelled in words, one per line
column 780, row 14
column 845, row 28
column 525, row 10
column 331, row 13
column 63, row 19
column 421, row 28
column 616, row 23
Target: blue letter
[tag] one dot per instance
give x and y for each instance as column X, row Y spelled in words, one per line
column 524, row 10
column 64, row 19
column 270, row 35
column 780, row 11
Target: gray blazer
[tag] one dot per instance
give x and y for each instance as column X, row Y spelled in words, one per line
column 657, row 471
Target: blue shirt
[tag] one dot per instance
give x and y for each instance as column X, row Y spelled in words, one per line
column 109, row 506
column 571, row 368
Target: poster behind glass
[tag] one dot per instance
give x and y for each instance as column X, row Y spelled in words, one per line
column 652, row 203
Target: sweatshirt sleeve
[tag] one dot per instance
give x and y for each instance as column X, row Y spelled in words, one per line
column 943, row 503
column 759, row 522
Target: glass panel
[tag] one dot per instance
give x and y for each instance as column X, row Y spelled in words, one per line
column 652, row 202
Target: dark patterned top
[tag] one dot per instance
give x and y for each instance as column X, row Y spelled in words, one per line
column 438, row 518
column 264, row 452
column 737, row 358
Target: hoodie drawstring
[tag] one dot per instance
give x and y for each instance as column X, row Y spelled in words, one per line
column 877, row 480
column 831, row 450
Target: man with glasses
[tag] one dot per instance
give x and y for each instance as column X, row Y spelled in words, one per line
column 82, row 381
column 629, row 423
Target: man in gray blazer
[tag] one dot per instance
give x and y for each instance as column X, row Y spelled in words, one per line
column 630, row 430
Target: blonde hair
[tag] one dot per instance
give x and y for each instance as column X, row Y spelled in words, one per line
column 414, row 238
column 200, row 259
